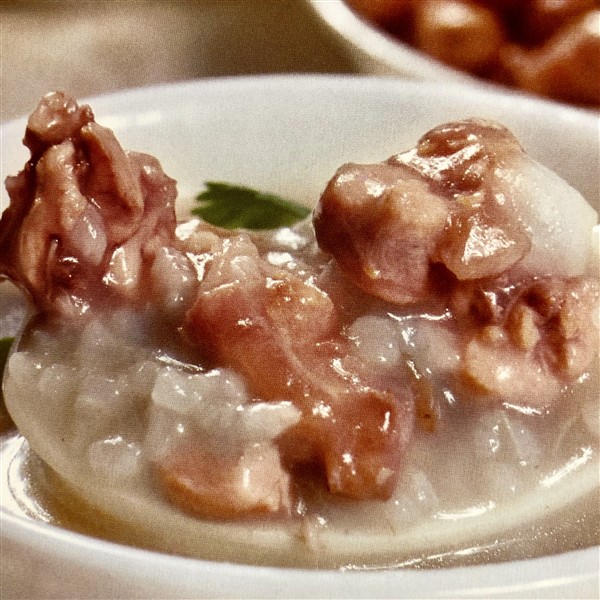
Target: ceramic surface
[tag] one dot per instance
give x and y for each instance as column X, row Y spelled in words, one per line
column 288, row 134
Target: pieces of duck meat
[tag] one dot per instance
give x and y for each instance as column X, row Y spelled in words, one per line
column 91, row 228
column 467, row 198
column 85, row 217
column 565, row 66
column 545, row 337
column 225, row 485
column 281, row 333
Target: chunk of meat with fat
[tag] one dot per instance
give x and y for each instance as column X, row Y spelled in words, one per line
column 498, row 368
column 381, row 235
column 557, row 319
column 546, row 337
column 281, row 333
column 219, row 485
column 85, row 217
column 467, row 198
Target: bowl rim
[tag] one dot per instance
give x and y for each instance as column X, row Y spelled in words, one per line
column 382, row 46
column 516, row 579
column 550, row 573
column 354, row 82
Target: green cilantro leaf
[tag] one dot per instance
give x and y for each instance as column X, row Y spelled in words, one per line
column 234, row 207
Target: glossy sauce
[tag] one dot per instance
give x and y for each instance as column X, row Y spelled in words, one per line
column 33, row 490
column 392, row 441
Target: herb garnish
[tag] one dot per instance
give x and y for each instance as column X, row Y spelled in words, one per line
column 234, row 207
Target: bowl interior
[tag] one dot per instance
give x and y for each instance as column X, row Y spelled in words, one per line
column 288, row 135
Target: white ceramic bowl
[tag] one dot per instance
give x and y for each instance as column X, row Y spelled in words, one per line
column 288, row 135
column 380, row 53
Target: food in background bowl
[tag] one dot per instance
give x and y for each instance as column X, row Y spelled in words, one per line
column 319, row 380
column 546, row 47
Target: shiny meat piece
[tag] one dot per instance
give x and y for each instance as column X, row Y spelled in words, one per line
column 219, row 485
column 57, row 117
column 477, row 246
column 85, row 217
column 387, row 224
column 546, row 336
column 381, row 235
column 561, row 317
column 497, row 368
column 282, row 334
column 466, row 197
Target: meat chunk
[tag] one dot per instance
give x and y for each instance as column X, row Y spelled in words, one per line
column 558, row 321
column 503, row 371
column 541, row 19
column 464, row 35
column 218, row 485
column 85, row 217
column 282, row 334
column 57, row 117
column 545, row 337
column 565, row 66
column 466, row 198
column 382, row 235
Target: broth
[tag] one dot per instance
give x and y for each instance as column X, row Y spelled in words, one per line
column 411, row 376
column 537, row 473
column 32, row 490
